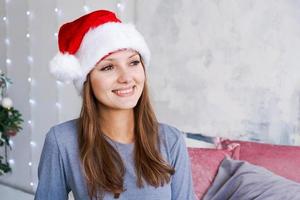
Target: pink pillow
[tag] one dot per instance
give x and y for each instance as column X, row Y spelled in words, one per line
column 280, row 159
column 205, row 164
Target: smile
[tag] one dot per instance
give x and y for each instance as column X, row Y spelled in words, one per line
column 124, row 92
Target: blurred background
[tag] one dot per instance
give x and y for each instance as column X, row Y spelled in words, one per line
column 219, row 67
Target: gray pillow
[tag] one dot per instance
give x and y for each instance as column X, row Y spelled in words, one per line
column 239, row 180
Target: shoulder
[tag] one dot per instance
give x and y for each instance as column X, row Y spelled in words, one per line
column 66, row 127
column 170, row 135
column 64, row 134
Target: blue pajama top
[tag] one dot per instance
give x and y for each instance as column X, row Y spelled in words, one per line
column 60, row 171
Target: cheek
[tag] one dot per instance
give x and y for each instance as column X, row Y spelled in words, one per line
column 141, row 76
column 98, row 85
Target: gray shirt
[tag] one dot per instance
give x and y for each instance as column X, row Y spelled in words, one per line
column 60, row 170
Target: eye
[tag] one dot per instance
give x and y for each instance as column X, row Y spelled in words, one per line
column 107, row 68
column 135, row 62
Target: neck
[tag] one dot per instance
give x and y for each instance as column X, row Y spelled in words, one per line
column 118, row 125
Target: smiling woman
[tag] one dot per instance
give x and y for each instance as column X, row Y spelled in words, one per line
column 116, row 148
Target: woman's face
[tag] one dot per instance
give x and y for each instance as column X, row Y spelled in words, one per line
column 118, row 80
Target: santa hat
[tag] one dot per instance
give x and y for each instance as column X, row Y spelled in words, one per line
column 85, row 41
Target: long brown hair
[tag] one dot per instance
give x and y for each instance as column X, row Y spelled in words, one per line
column 102, row 165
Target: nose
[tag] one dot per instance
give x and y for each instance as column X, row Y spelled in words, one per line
column 124, row 76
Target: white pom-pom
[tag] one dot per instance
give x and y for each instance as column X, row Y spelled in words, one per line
column 65, row 67
column 7, row 103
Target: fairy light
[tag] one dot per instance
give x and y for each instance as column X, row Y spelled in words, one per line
column 58, row 105
column 58, row 12
column 86, row 9
column 8, row 61
column 32, row 101
column 33, row 143
column 7, row 41
column 59, row 83
column 11, row 161
column 120, row 6
column 30, row 59
column 11, row 143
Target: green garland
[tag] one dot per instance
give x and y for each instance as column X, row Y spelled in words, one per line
column 10, row 123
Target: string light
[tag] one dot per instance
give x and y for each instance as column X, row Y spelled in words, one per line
column 58, row 83
column 8, row 61
column 121, row 6
column 31, row 101
column 86, row 9
column 30, row 59
column 58, row 105
column 7, row 41
column 32, row 143
column 11, row 143
column 11, row 161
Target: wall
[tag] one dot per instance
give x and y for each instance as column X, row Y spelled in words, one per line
column 227, row 68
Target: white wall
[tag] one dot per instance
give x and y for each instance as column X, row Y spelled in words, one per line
column 227, row 68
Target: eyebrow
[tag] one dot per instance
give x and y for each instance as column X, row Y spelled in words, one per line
column 112, row 59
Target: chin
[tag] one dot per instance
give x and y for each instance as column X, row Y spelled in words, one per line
column 126, row 106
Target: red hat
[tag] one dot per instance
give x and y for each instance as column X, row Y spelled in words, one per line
column 85, row 41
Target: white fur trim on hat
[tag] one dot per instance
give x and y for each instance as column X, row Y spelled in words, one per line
column 65, row 67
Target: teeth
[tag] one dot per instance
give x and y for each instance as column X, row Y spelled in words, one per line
column 124, row 91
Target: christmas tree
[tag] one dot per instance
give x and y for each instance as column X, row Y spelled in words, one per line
column 10, row 122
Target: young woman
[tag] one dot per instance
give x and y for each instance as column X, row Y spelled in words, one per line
column 116, row 149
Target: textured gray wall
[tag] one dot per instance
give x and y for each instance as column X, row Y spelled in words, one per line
column 227, row 68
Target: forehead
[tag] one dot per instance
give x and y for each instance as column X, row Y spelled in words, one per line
column 120, row 54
